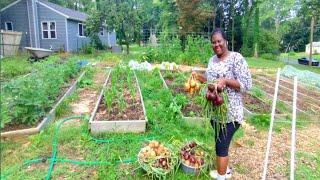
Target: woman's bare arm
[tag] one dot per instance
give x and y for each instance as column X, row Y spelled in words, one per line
column 201, row 77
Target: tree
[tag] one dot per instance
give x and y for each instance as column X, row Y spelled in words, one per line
column 275, row 12
column 193, row 17
column 122, row 15
column 168, row 16
column 4, row 3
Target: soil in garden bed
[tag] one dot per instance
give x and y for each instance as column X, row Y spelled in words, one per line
column 287, row 97
column 132, row 111
column 255, row 105
column 17, row 126
column 191, row 105
column 301, row 89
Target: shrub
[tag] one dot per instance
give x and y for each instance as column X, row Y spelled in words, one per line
column 292, row 53
column 150, row 54
column 269, row 42
column 269, row 56
column 87, row 49
column 198, row 50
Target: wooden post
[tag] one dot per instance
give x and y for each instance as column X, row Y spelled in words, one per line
column 311, row 41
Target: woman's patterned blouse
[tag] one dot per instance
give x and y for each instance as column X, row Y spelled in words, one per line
column 233, row 67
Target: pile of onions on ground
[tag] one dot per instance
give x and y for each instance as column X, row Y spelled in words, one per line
column 216, row 104
column 193, row 155
column 157, row 159
column 192, row 85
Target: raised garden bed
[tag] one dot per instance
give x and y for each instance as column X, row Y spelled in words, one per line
column 191, row 107
column 23, row 130
column 120, row 106
column 175, row 81
column 254, row 105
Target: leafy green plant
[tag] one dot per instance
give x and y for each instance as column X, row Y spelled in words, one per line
column 108, row 97
column 169, row 75
column 260, row 120
column 29, row 98
column 86, row 79
column 14, row 66
column 122, row 104
column 198, row 51
column 257, row 92
column 181, row 99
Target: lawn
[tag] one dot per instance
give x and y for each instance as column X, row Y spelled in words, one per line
column 298, row 55
column 262, row 63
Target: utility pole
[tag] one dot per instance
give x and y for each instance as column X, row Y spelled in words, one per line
column 311, row 40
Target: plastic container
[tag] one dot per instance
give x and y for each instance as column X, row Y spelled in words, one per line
column 191, row 169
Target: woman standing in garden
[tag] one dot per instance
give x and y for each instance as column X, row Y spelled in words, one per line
column 232, row 72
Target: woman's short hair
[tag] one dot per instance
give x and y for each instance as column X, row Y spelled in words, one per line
column 218, row 30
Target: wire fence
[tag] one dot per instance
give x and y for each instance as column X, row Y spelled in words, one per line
column 152, row 36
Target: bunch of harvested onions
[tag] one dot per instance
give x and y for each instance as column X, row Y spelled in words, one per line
column 192, row 85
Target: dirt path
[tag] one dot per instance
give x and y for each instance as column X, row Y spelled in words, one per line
column 247, row 161
column 87, row 98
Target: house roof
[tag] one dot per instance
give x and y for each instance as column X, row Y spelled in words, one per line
column 15, row 2
column 68, row 13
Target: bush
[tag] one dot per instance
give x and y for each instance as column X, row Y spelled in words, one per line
column 150, row 54
column 169, row 49
column 198, row 50
column 292, row 53
column 247, row 52
column 87, row 49
column 269, row 42
column 269, row 56
column 96, row 42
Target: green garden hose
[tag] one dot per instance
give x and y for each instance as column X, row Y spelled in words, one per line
column 53, row 159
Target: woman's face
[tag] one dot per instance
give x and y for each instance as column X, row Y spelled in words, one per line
column 218, row 44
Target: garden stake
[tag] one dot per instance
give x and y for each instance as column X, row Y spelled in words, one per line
column 293, row 136
column 271, row 125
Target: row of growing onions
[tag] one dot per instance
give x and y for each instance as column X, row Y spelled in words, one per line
column 120, row 100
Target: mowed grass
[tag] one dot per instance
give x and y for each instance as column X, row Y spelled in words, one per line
column 269, row 64
column 298, row 55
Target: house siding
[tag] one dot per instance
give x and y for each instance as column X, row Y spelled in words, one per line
column 18, row 15
column 75, row 42
column 108, row 39
column 45, row 14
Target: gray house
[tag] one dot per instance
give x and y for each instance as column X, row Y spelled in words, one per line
column 46, row 25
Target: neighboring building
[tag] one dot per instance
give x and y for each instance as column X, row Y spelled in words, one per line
column 315, row 48
column 46, row 25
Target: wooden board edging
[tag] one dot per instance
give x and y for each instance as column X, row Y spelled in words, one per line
column 48, row 119
column 124, row 126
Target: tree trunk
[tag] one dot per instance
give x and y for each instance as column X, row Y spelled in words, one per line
column 255, row 50
column 311, row 41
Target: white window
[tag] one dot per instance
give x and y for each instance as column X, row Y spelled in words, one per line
column 101, row 31
column 81, row 29
column 9, row 26
column 48, row 30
